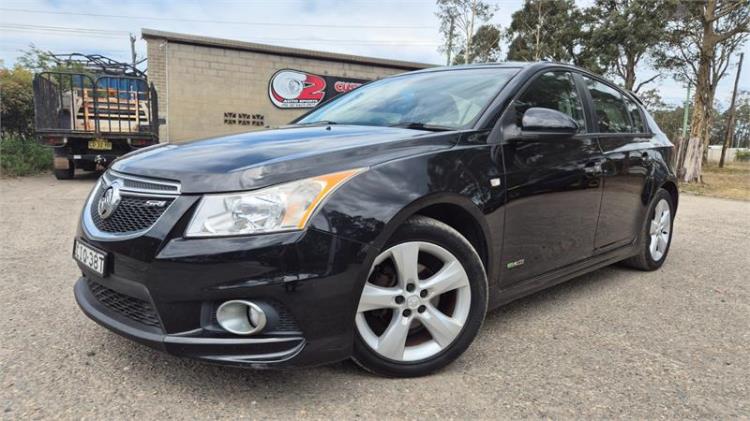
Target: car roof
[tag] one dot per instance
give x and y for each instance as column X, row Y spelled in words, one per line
column 525, row 65
column 500, row 64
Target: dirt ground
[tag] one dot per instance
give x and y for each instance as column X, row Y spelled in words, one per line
column 730, row 182
column 616, row 343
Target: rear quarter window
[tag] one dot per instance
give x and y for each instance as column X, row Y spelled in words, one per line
column 635, row 117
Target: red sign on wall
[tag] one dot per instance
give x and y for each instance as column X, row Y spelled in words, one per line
column 296, row 89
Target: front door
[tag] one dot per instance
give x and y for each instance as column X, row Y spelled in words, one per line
column 553, row 184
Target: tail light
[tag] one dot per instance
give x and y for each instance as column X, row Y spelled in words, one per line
column 54, row 140
column 139, row 143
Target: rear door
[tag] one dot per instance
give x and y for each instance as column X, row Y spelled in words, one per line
column 626, row 143
column 553, row 183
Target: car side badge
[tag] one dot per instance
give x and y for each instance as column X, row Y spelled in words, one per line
column 517, row 263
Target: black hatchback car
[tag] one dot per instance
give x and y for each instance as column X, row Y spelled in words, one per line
column 380, row 226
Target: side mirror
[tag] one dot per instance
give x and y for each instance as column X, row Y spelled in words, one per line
column 550, row 121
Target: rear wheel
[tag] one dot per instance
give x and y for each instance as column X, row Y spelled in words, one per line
column 656, row 235
column 66, row 173
column 423, row 303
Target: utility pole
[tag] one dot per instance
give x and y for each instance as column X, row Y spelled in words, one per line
column 730, row 124
column 451, row 29
column 132, row 49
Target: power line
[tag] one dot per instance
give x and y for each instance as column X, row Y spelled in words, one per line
column 62, row 30
column 223, row 22
column 92, row 31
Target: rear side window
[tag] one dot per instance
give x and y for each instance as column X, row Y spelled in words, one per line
column 610, row 110
column 556, row 91
column 635, row 117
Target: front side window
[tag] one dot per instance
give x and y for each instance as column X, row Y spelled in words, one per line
column 609, row 108
column 449, row 99
column 556, row 91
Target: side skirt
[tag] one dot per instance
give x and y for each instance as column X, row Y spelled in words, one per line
column 561, row 275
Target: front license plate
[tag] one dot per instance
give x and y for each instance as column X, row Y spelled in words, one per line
column 100, row 144
column 92, row 259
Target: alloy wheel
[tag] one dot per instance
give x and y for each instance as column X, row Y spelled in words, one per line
column 660, row 230
column 415, row 302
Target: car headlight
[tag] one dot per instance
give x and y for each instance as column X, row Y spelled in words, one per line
column 283, row 207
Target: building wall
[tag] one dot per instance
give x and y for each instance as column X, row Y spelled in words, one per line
column 714, row 153
column 197, row 85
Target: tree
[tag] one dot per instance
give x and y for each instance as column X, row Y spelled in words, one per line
column 462, row 16
column 447, row 16
column 701, row 39
column 485, row 47
column 16, row 101
column 741, row 126
column 37, row 60
column 546, row 30
column 623, row 33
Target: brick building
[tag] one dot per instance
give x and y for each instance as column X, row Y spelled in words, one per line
column 211, row 86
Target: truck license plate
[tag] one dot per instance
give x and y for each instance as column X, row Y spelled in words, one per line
column 100, row 144
column 92, row 259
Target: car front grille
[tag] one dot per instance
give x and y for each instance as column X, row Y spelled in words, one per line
column 131, row 215
column 133, row 308
column 142, row 202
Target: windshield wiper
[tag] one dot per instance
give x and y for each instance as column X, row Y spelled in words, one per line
column 422, row 126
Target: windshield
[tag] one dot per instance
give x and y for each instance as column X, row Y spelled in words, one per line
column 445, row 99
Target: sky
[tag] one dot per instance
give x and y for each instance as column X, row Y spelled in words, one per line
column 405, row 30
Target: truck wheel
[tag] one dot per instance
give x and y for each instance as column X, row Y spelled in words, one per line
column 67, row 173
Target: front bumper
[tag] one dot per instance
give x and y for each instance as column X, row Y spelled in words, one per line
column 309, row 281
column 227, row 350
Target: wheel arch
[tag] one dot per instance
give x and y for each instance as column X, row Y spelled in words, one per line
column 454, row 210
column 671, row 187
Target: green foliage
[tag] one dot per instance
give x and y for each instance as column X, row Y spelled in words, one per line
column 669, row 120
column 743, row 156
column 17, row 102
column 623, row 33
column 683, row 46
column 17, row 99
column 21, row 156
column 485, row 46
column 546, row 30
column 36, row 60
column 458, row 20
column 741, row 136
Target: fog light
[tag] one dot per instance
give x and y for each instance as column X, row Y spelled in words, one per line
column 241, row 317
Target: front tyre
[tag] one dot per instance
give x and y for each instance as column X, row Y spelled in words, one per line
column 656, row 235
column 423, row 303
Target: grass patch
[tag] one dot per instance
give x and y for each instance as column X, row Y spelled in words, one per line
column 23, row 156
column 730, row 182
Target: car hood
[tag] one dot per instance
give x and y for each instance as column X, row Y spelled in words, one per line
column 257, row 159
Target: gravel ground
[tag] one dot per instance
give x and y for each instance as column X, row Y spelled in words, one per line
column 615, row 343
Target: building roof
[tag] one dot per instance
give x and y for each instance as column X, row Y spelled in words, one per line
column 277, row 50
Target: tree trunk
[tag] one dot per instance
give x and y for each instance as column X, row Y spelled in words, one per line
column 703, row 104
column 730, row 124
column 629, row 73
column 538, row 35
column 470, row 32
